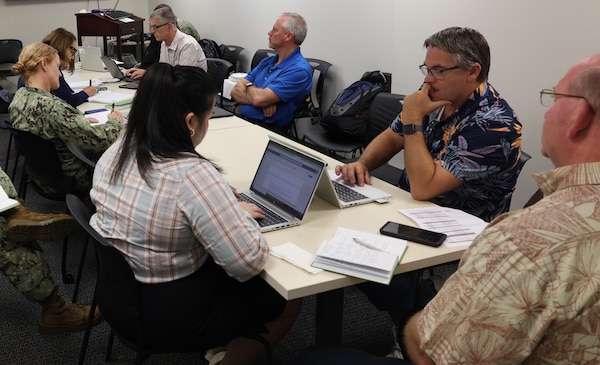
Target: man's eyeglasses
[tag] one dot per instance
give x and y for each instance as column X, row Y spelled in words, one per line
column 548, row 97
column 73, row 49
column 435, row 72
column 155, row 27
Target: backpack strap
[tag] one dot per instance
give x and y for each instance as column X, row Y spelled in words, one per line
column 313, row 90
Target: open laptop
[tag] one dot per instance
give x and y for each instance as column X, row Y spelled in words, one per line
column 116, row 72
column 91, row 59
column 342, row 194
column 284, row 185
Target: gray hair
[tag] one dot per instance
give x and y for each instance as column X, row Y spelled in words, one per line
column 587, row 84
column 467, row 45
column 296, row 24
column 165, row 14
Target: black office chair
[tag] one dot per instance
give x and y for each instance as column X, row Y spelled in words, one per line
column 382, row 111
column 42, row 165
column 117, row 295
column 9, row 55
column 5, row 99
column 232, row 54
column 311, row 107
column 259, row 55
column 219, row 70
column 75, row 150
column 11, row 146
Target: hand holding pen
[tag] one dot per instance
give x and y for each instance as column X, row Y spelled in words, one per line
column 115, row 114
column 90, row 90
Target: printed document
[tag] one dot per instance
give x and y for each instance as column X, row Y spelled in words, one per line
column 461, row 227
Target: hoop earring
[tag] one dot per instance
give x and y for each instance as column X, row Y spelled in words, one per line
column 192, row 132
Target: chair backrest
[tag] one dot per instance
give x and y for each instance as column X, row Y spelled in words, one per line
column 41, row 161
column 383, row 110
column 260, row 54
column 320, row 69
column 219, row 69
column 311, row 106
column 117, row 291
column 231, row 53
column 9, row 54
column 80, row 155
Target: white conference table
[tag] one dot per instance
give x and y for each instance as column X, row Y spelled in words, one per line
column 84, row 75
column 238, row 151
column 237, row 147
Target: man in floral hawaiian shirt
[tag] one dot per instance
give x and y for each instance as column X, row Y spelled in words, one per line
column 461, row 139
column 528, row 289
column 461, row 144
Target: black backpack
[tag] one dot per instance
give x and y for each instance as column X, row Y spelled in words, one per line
column 378, row 77
column 347, row 117
column 210, row 48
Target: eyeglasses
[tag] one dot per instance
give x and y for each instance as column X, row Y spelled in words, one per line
column 73, row 49
column 548, row 97
column 435, row 72
column 155, row 27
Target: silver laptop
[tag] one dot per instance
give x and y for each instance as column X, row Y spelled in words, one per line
column 116, row 72
column 284, row 185
column 90, row 58
column 342, row 194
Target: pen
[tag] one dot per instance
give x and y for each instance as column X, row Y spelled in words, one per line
column 90, row 82
column 94, row 111
column 372, row 247
column 113, row 108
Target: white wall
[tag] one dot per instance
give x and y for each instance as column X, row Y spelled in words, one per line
column 533, row 42
column 31, row 20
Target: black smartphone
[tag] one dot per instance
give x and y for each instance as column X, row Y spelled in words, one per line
column 413, row 234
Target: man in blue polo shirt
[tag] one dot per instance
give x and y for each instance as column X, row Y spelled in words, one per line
column 272, row 91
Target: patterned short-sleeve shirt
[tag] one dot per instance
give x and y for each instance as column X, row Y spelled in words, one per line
column 480, row 145
column 527, row 290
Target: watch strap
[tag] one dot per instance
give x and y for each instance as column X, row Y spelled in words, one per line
column 411, row 128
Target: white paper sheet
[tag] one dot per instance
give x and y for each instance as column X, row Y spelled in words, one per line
column 461, row 227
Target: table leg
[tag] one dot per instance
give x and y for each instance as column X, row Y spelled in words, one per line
column 329, row 318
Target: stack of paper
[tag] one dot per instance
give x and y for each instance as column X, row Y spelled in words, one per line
column 461, row 227
column 363, row 255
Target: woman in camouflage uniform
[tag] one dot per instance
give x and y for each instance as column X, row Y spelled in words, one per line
column 36, row 110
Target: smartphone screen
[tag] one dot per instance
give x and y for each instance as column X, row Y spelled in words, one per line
column 413, row 234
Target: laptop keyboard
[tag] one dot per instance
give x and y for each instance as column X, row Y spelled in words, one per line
column 116, row 14
column 270, row 216
column 346, row 194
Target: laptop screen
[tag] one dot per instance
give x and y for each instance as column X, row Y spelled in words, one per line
column 287, row 178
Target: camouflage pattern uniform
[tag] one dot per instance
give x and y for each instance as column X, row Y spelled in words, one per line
column 188, row 28
column 43, row 114
column 23, row 263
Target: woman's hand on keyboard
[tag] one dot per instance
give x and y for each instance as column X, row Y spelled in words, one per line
column 252, row 209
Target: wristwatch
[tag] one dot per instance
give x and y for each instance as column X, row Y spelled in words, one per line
column 249, row 84
column 411, row 128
